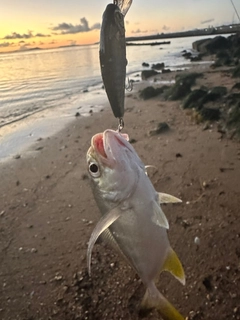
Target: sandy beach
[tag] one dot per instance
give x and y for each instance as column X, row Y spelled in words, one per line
column 47, row 213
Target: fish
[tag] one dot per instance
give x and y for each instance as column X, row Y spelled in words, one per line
column 132, row 220
column 112, row 54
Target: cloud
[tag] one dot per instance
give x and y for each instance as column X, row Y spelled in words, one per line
column 69, row 28
column 29, row 35
column 42, row 35
column 207, row 21
column 165, row 28
column 139, row 31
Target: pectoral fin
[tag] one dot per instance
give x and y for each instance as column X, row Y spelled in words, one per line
column 159, row 217
column 101, row 226
column 173, row 265
column 167, row 198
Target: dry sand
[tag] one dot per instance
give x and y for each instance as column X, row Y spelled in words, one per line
column 47, row 213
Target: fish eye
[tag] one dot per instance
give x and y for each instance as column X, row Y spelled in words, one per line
column 94, row 169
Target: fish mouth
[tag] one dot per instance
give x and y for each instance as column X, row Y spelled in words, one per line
column 98, row 144
column 103, row 144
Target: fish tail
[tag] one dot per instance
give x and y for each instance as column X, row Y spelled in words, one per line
column 153, row 299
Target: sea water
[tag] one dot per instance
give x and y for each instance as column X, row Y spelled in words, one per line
column 40, row 90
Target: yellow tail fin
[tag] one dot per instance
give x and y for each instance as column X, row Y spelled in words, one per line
column 153, row 299
column 173, row 265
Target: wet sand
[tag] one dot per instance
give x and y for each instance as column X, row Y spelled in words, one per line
column 47, row 213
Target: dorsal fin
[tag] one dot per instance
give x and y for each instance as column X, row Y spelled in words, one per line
column 167, row 198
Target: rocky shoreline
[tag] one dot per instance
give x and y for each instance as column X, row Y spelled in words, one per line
column 207, row 103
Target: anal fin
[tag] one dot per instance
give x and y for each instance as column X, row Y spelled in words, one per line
column 173, row 265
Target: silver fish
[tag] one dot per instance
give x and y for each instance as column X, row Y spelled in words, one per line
column 132, row 220
column 112, row 54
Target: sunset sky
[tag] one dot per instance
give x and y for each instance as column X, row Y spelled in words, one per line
column 52, row 23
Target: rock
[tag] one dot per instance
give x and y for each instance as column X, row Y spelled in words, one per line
column 214, row 94
column 233, row 118
column 148, row 73
column 158, row 66
column 233, row 98
column 178, row 155
column 132, row 140
column 196, row 58
column 236, row 72
column 166, row 70
column 207, row 282
column 193, row 100
column 236, row 53
column 17, row 156
column 236, row 86
column 211, row 46
column 161, row 127
column 77, row 114
column 187, row 55
column 182, row 87
column 223, row 58
column 144, row 64
column 150, row 92
column 210, row 113
column 200, row 45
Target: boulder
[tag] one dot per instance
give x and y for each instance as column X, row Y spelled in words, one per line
column 236, row 72
column 216, row 44
column 211, row 46
column 182, row 86
column 158, row 66
column 161, row 128
column 210, row 113
column 193, row 100
column 233, row 98
column 233, row 119
column 187, row 55
column 150, row 92
column 145, row 64
column 214, row 94
column 236, row 86
column 148, row 74
column 200, row 45
column 223, row 58
column 166, row 70
column 196, row 58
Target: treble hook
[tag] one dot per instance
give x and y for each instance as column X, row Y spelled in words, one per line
column 129, row 85
column 120, row 124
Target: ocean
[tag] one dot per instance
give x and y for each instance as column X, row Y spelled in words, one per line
column 41, row 90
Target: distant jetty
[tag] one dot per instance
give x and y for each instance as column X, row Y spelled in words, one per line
column 147, row 44
column 191, row 33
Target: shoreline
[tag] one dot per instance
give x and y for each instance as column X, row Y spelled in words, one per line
column 18, row 136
